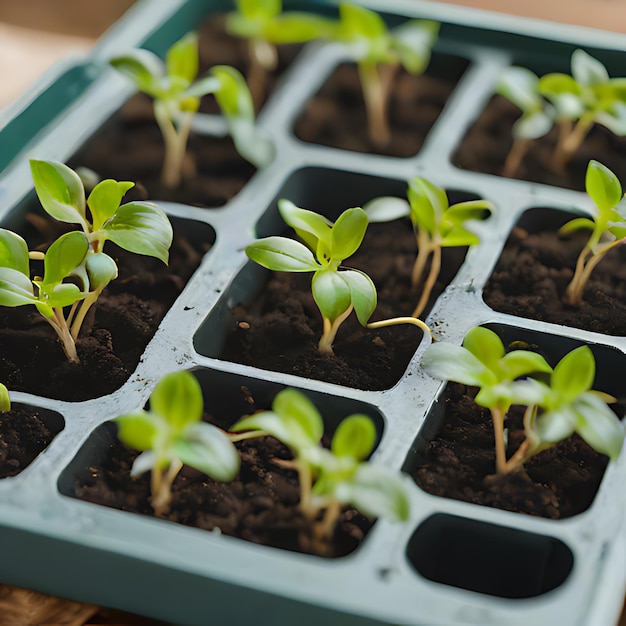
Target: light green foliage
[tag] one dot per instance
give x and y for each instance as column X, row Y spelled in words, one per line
column 330, row 478
column 75, row 268
column 585, row 97
column 5, row 399
column 436, row 224
column 607, row 225
column 553, row 412
column 172, row 434
column 379, row 52
column 335, row 291
column 176, row 89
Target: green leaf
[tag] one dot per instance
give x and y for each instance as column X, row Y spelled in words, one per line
column 521, row 87
column 556, row 84
column 62, row 295
column 413, row 41
column 522, row 363
column 201, row 87
column 144, row 68
column 282, row 255
column 101, row 270
column 461, row 212
column 445, row 361
column 347, row 233
column 16, row 289
column 268, row 423
column 533, row 125
column 311, row 227
column 574, row 373
column 137, row 430
column 358, row 22
column 209, row 450
column 586, row 70
column 251, row 143
column 428, row 204
column 146, row 461
column 362, row 294
column 599, row 426
column 60, row 191
column 232, row 95
column 355, row 437
column 293, row 405
column 376, row 492
column 177, row 398
column 5, row 399
column 578, row 223
column 556, row 425
column 142, row 228
column 105, row 199
column 602, row 186
column 182, row 58
column 63, row 257
column 259, row 9
column 459, row 236
column 296, row 27
column 13, row 252
column 386, row 209
column 485, row 345
column 331, row 293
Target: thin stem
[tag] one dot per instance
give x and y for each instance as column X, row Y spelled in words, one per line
column 175, row 140
column 324, row 529
column 574, row 291
column 516, row 154
column 394, row 321
column 576, row 137
column 424, row 250
column 250, row 434
column 325, row 345
column 565, row 129
column 433, row 274
column 85, row 305
column 376, row 84
column 305, row 479
column 497, row 417
column 63, row 332
column 161, row 487
column 263, row 58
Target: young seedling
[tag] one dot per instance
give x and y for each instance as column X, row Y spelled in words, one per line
column 586, row 97
column 553, row 411
column 172, row 434
column 176, row 94
column 607, row 225
column 436, row 225
column 331, row 478
column 75, row 268
column 521, row 87
column 264, row 24
column 482, row 362
column 379, row 53
column 5, row 399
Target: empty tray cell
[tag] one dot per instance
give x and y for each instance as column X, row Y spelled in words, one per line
column 536, row 265
column 488, row 558
column 454, row 453
column 260, row 505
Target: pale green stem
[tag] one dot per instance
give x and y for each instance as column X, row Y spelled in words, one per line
column 175, row 140
column 85, row 305
column 305, row 479
column 251, row 434
column 324, row 529
column 395, row 321
column 572, row 141
column 424, row 249
column 497, row 417
column 376, row 82
column 263, row 59
column 325, row 345
column 516, row 154
column 161, row 487
column 435, row 267
column 63, row 332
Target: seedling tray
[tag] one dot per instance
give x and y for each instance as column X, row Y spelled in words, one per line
column 453, row 562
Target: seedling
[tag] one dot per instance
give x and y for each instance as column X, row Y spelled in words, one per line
column 607, row 225
column 379, row 53
column 176, row 93
column 521, row 87
column 331, row 478
column 265, row 26
column 335, row 291
column 5, row 399
column 75, row 268
column 585, row 98
column 172, row 434
column 436, row 225
column 553, row 412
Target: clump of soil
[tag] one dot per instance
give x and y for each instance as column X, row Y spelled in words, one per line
column 556, row 483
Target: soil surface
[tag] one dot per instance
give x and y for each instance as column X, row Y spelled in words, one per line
column 336, row 115
column 488, row 142
column 531, row 276
column 24, row 433
column 260, row 505
column 557, row 483
column 280, row 330
column 114, row 334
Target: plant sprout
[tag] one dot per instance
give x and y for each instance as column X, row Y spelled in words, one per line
column 335, row 291
column 172, row 434
column 521, row 87
column 379, row 53
column 265, row 26
column 436, row 224
column 75, row 268
column 5, row 399
column 586, row 97
column 176, row 93
column 331, row 478
column 553, row 412
column 607, row 225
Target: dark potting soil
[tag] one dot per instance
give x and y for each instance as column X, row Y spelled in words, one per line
column 260, row 505
column 130, row 145
column 336, row 115
column 280, row 330
column 113, row 337
column 487, row 143
column 23, row 435
column 556, row 483
column 531, row 276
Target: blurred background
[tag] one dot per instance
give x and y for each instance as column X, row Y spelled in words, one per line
column 35, row 34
